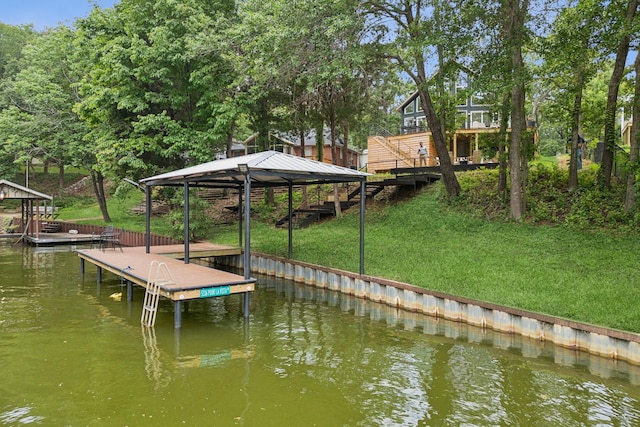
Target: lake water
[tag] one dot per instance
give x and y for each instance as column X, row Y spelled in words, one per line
column 71, row 355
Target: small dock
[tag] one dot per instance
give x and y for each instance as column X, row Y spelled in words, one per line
column 59, row 238
column 190, row 281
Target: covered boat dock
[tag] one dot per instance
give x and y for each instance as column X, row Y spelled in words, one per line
column 264, row 169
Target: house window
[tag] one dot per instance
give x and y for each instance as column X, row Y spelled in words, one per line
column 480, row 119
column 480, row 98
column 421, row 123
column 461, row 120
column 418, row 104
column 409, row 108
column 308, row 151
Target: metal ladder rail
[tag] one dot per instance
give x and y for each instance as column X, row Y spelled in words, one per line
column 159, row 275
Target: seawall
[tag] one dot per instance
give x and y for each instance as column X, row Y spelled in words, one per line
column 611, row 343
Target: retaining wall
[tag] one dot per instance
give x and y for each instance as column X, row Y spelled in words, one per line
column 611, row 343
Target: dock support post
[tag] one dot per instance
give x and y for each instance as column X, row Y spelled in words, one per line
column 177, row 315
column 246, row 304
column 186, row 222
column 129, row 290
column 147, row 219
column 82, row 265
column 99, row 275
column 363, row 196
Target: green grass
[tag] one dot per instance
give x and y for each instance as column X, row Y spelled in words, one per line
column 588, row 277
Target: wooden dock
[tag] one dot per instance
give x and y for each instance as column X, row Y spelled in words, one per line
column 59, row 238
column 190, row 281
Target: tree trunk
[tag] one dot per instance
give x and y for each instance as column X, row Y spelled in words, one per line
column 305, row 202
column 575, row 136
column 446, row 167
column 516, row 13
column 515, row 155
column 336, row 189
column 630, row 201
column 319, row 141
column 502, row 152
column 97, row 179
column 61, row 176
column 345, row 145
column 604, row 175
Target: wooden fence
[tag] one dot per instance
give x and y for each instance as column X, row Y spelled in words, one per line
column 127, row 238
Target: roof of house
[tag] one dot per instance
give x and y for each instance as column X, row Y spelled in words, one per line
column 265, row 169
column 15, row 191
column 310, row 138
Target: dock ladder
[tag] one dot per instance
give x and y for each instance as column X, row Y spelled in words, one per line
column 159, row 275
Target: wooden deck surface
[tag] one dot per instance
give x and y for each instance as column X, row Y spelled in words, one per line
column 190, row 281
column 57, row 238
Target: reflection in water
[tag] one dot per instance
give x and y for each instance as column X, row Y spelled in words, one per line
column 71, row 355
column 153, row 364
column 19, row 416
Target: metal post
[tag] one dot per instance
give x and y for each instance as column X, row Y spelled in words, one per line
column 99, row 275
column 290, row 220
column 363, row 195
column 247, row 237
column 177, row 315
column 82, row 266
column 147, row 236
column 129, row 291
column 186, row 222
column 247, row 226
column 239, row 216
column 246, row 304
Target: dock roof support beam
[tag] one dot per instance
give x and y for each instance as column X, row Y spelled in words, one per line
column 363, row 196
column 186, row 222
column 147, row 236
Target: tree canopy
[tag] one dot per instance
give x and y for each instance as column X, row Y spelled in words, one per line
column 145, row 86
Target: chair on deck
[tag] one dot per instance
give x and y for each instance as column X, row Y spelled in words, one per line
column 109, row 237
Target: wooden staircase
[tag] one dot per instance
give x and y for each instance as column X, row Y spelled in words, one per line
column 397, row 152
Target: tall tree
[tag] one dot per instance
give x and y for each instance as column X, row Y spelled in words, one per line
column 571, row 61
column 631, row 198
column 153, row 92
column 626, row 30
column 514, row 36
column 412, row 47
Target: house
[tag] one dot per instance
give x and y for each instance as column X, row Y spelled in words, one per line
column 474, row 118
column 237, row 149
column 292, row 144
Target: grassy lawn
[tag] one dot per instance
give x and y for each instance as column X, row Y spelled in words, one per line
column 589, row 277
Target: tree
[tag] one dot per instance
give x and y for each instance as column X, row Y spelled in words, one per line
column 154, row 87
column 623, row 38
column 514, row 36
column 570, row 62
column 409, row 49
column 631, row 198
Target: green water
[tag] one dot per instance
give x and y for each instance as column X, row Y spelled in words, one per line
column 70, row 355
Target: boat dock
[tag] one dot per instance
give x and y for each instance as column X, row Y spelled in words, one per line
column 59, row 238
column 188, row 281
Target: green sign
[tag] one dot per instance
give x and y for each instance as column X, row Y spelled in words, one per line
column 218, row 291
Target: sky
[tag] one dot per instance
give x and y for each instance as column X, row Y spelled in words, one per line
column 47, row 13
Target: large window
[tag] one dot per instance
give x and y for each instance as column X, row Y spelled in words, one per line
column 480, row 98
column 461, row 120
column 409, row 108
column 480, row 119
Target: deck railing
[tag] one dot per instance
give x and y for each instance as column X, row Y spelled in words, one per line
column 127, row 238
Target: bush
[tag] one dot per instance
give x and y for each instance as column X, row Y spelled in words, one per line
column 549, row 201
